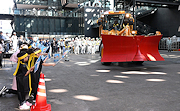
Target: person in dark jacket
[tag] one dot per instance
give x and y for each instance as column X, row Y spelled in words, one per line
column 54, row 46
column 22, row 80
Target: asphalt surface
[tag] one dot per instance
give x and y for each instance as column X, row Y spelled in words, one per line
column 83, row 84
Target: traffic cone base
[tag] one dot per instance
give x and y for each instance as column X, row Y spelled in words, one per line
column 41, row 108
column 41, row 103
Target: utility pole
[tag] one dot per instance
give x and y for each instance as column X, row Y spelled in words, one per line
column 134, row 16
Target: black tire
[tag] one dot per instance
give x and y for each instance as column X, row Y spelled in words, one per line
column 138, row 62
column 106, row 63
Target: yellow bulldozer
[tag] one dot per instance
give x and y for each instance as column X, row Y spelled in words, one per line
column 120, row 43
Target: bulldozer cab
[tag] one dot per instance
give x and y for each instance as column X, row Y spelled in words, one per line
column 117, row 23
column 114, row 21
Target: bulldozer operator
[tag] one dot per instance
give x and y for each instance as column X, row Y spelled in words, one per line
column 116, row 25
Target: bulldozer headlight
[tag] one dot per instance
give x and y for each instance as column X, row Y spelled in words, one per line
column 134, row 32
column 128, row 15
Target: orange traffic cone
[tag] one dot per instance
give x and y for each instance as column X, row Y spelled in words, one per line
column 41, row 103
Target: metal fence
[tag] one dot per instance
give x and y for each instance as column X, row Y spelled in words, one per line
column 175, row 43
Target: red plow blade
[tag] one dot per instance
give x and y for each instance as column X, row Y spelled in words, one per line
column 126, row 49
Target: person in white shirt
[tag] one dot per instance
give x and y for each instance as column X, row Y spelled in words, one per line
column 71, row 44
column 93, row 46
column 89, row 47
column 169, row 43
column 83, row 46
column 97, row 44
column 76, row 46
column 59, row 46
column 15, row 41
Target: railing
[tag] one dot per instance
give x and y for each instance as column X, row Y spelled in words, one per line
column 175, row 43
column 32, row 2
column 38, row 12
column 54, row 13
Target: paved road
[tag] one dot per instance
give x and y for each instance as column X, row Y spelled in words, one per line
column 83, row 84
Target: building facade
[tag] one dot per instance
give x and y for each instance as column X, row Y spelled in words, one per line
column 68, row 17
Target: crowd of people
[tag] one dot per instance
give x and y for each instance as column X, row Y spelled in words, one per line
column 78, row 45
column 10, row 43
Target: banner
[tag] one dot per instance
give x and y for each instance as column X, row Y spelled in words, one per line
column 64, row 54
column 44, row 57
column 56, row 57
column 47, row 50
column 37, row 64
column 38, row 45
column 43, row 48
column 49, row 56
